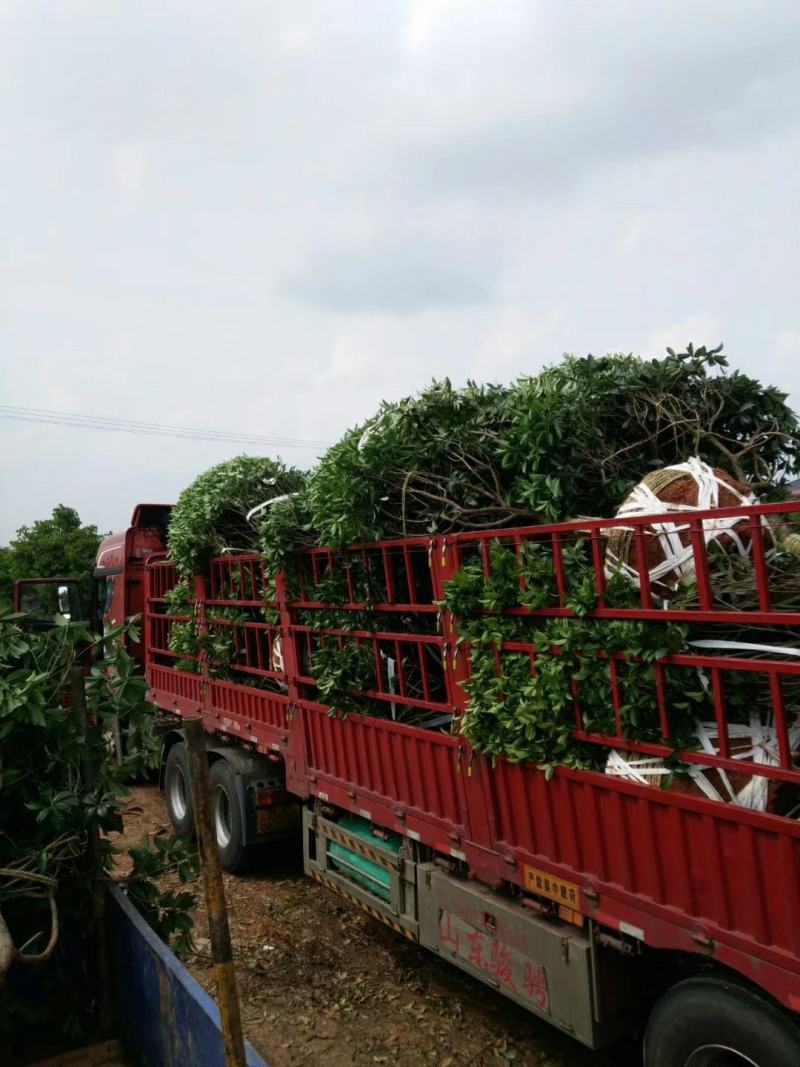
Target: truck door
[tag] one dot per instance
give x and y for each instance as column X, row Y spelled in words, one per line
column 41, row 599
column 109, row 597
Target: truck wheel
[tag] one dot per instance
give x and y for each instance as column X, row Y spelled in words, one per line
column 178, row 790
column 228, row 818
column 711, row 1022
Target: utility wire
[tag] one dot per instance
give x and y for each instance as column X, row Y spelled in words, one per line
column 154, row 429
column 68, row 415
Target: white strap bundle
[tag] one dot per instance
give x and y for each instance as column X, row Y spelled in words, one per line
column 268, row 504
column 762, row 749
column 679, row 557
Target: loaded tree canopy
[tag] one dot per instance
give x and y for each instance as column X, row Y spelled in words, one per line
column 569, row 441
column 214, row 515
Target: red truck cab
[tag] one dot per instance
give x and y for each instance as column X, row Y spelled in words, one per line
column 119, row 568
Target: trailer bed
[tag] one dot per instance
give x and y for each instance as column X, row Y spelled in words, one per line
column 656, row 867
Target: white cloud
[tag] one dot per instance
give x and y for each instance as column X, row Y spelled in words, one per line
column 789, row 342
column 295, row 40
column 353, row 198
column 632, row 236
column 518, row 342
column 129, row 167
column 386, row 276
column 699, row 329
column 426, row 18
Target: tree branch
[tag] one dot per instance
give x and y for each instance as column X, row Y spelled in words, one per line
column 10, row 954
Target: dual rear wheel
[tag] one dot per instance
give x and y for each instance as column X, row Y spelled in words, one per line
column 227, row 811
column 712, row 1022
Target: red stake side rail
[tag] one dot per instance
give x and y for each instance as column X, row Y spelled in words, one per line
column 672, row 870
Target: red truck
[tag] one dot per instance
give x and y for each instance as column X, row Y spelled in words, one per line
column 600, row 904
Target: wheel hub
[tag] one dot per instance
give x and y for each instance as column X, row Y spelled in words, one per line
column 222, row 817
column 178, row 793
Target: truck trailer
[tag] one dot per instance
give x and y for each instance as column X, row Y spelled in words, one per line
column 603, row 905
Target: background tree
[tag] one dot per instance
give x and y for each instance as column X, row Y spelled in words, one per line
column 51, row 548
column 6, row 580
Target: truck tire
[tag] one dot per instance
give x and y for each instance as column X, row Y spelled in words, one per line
column 233, row 854
column 711, row 1022
column 178, row 790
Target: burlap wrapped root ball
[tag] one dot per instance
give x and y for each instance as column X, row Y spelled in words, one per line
column 681, row 489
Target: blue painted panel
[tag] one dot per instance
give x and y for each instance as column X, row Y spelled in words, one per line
column 166, row 1018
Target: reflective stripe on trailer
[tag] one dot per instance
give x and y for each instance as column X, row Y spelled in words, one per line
column 364, row 907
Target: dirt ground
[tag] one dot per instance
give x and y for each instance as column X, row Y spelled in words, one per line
column 322, row 983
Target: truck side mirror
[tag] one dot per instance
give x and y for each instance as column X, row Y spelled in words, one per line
column 63, row 601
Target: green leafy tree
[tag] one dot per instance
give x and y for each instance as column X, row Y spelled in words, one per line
column 6, row 579
column 50, row 813
column 530, row 715
column 52, row 548
column 584, row 431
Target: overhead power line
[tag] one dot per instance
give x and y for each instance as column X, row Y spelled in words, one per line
column 109, row 424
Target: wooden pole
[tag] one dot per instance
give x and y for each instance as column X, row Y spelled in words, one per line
column 105, row 1012
column 218, row 929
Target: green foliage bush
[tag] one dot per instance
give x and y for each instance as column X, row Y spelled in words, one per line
column 343, row 671
column 210, row 517
column 569, row 441
column 184, row 635
column 583, row 432
column 530, row 715
column 48, row 810
column 421, row 464
column 217, row 644
column 287, row 527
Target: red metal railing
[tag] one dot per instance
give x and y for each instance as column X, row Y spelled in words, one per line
column 161, row 577
column 392, row 576
column 695, row 526
column 677, row 869
column 408, row 669
column 393, row 584
column 403, row 581
column 235, row 599
column 238, row 581
column 776, row 675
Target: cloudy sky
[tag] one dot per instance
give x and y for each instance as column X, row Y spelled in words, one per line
column 264, row 217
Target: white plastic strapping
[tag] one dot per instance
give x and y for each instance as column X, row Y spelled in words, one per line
column 756, row 742
column 744, row 646
column 679, row 557
column 268, row 503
